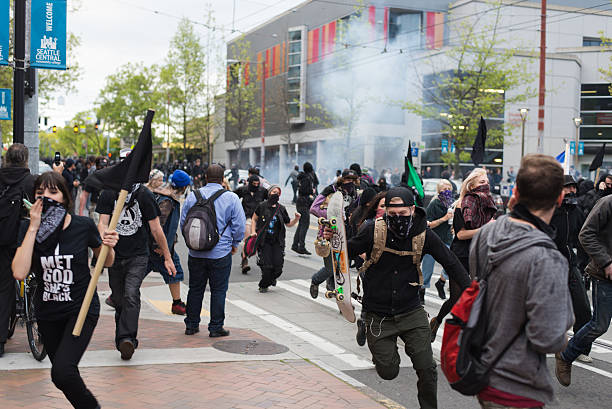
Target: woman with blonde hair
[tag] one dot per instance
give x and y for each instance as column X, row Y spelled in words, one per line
column 474, row 209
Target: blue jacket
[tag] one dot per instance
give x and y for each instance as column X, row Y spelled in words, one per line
column 229, row 214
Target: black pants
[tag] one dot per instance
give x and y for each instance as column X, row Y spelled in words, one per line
column 294, row 186
column 7, row 291
column 412, row 327
column 65, row 352
column 580, row 302
column 455, row 292
column 271, row 258
column 125, row 278
column 302, row 228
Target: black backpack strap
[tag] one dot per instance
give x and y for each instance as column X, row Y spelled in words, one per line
column 198, row 196
column 216, row 195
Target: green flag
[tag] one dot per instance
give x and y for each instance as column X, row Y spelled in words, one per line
column 412, row 177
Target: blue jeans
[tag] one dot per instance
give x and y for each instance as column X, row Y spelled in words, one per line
column 599, row 324
column 427, row 266
column 325, row 274
column 202, row 271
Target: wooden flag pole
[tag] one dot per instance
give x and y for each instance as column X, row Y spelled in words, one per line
column 93, row 282
column 596, row 178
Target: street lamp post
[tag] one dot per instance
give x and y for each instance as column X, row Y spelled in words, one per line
column 577, row 123
column 523, row 112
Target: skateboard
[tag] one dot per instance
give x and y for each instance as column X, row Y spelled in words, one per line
column 339, row 257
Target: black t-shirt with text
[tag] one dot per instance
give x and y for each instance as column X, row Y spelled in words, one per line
column 133, row 226
column 63, row 275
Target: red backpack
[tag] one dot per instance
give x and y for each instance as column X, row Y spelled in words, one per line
column 464, row 339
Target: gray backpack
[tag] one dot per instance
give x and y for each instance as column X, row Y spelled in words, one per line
column 200, row 229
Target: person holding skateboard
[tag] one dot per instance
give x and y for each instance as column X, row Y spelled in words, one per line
column 269, row 221
column 251, row 194
column 391, row 288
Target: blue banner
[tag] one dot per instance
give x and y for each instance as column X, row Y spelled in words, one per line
column 5, row 29
column 572, row 148
column 580, row 148
column 444, row 146
column 5, row 103
column 48, row 34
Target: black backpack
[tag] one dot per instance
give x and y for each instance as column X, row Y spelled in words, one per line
column 200, row 229
column 11, row 197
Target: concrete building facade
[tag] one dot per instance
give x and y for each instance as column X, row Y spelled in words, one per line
column 336, row 79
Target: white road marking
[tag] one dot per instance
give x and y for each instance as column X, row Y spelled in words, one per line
column 315, row 340
column 338, row 374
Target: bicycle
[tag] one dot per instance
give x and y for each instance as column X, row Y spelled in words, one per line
column 25, row 293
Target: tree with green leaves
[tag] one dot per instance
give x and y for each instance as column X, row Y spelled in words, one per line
column 242, row 111
column 483, row 71
column 123, row 102
column 182, row 77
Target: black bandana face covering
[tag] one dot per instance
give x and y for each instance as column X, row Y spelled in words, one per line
column 51, row 224
column 400, row 225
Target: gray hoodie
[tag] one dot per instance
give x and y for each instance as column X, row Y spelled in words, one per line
column 527, row 292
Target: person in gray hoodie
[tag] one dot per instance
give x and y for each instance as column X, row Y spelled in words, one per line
column 527, row 289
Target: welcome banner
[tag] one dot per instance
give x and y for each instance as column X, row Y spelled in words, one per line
column 48, row 34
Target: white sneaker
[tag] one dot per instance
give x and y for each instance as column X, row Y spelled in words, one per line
column 585, row 358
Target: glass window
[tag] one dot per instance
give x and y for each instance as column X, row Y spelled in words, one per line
column 295, row 47
column 295, row 59
column 595, row 133
column 295, row 35
column 294, row 108
column 405, row 27
column 596, row 104
column 593, row 90
column 591, row 41
column 293, row 84
column 293, row 72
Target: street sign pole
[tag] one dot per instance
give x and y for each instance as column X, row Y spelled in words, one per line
column 19, row 73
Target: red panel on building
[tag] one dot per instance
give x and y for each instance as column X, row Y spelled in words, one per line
column 267, row 70
column 324, row 31
column 247, row 69
column 372, row 20
column 430, row 31
column 386, row 24
column 315, row 45
column 331, row 37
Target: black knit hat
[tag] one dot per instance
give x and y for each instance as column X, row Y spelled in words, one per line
column 401, row 192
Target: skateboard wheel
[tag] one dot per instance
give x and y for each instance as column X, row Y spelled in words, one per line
column 333, row 221
column 340, row 297
column 330, row 294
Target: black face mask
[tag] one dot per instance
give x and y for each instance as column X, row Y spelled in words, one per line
column 606, row 192
column 570, row 199
column 273, row 199
column 253, row 188
column 400, row 225
column 51, row 225
column 349, row 188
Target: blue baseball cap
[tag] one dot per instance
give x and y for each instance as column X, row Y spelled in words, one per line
column 180, row 178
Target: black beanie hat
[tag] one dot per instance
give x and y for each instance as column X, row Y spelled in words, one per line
column 401, row 192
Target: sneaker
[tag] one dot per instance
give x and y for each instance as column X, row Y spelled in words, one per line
column 563, row 370
column 109, row 302
column 305, row 252
column 585, row 358
column 263, row 289
column 440, row 287
column 179, row 308
column 433, row 326
column 361, row 332
column 245, row 270
column 126, row 347
column 296, row 249
column 219, row 333
column 192, row 331
column 245, row 265
column 273, row 283
column 314, row 291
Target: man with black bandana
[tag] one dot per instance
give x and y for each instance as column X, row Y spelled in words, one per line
column 391, row 291
column 252, row 194
column 567, row 221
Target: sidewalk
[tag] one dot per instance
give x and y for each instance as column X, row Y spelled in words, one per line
column 171, row 370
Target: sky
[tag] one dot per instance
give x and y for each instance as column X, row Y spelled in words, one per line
column 115, row 32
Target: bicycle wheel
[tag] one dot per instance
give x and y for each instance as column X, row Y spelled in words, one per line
column 13, row 318
column 34, row 338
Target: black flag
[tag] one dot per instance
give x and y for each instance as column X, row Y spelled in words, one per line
column 133, row 169
column 598, row 159
column 478, row 149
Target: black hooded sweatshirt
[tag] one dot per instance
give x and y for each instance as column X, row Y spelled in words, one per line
column 386, row 285
column 19, row 176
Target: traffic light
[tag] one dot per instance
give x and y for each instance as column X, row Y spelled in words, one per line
column 109, row 155
column 76, row 129
column 54, row 129
column 97, row 125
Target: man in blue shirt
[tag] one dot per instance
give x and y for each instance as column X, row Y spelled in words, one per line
column 213, row 265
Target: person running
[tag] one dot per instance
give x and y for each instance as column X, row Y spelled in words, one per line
column 528, row 306
column 251, row 194
column 307, row 188
column 596, row 239
column 439, row 212
column 294, row 182
column 474, row 209
column 167, row 197
column 139, row 218
column 391, row 290
column 269, row 221
column 55, row 248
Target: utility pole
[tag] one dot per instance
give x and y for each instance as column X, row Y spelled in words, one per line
column 19, row 72
column 168, row 127
column 30, row 100
column 542, row 78
column 262, row 156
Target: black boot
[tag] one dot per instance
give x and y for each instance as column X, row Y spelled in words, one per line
column 422, row 295
column 440, row 287
column 361, row 332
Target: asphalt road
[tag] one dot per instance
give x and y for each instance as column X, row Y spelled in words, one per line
column 290, row 303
